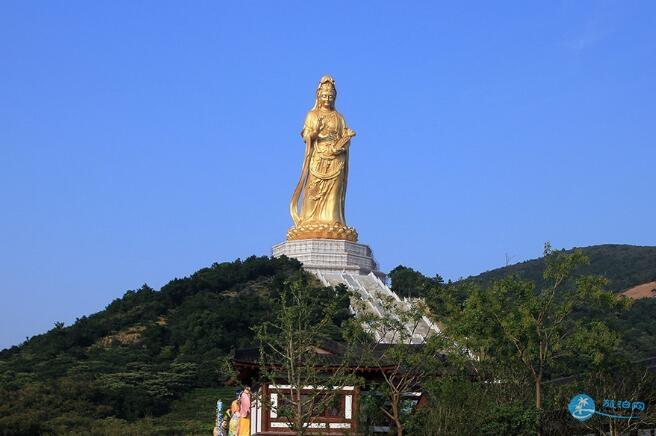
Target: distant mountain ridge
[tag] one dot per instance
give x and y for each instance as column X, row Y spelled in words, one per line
column 624, row 266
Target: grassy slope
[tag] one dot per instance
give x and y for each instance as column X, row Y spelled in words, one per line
column 192, row 414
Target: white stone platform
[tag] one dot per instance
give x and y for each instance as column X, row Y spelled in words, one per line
column 329, row 255
column 337, row 262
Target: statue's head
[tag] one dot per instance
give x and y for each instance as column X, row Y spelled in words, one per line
column 326, row 93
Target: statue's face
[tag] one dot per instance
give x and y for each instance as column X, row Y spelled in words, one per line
column 326, row 99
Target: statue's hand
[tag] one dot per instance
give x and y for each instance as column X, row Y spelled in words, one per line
column 340, row 146
column 350, row 133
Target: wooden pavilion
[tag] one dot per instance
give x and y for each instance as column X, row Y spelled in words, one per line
column 341, row 416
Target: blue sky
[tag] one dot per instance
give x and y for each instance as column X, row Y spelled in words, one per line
column 141, row 141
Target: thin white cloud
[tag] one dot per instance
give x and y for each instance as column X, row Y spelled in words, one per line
column 598, row 26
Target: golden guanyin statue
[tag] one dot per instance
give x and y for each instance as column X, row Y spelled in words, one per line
column 322, row 186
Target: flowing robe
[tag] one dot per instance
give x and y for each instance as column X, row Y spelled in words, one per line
column 324, row 191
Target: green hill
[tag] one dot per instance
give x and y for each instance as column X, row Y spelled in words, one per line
column 150, row 363
column 131, row 368
column 624, row 266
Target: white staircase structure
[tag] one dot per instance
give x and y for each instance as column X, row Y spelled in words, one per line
column 337, row 262
column 371, row 290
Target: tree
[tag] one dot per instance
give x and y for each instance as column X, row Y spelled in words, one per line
column 471, row 396
column 406, row 282
column 291, row 359
column 636, row 384
column 538, row 330
column 405, row 352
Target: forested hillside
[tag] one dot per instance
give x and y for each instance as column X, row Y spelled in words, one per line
column 624, row 266
column 144, row 351
column 152, row 361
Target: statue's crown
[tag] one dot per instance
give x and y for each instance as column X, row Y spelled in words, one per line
column 326, row 82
